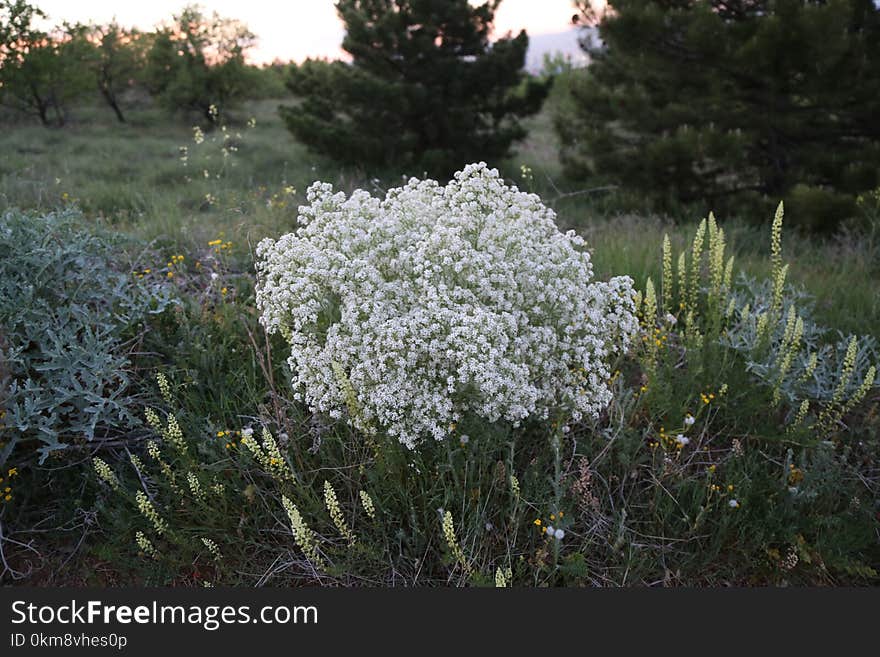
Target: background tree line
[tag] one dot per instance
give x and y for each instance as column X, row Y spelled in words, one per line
column 195, row 62
column 729, row 104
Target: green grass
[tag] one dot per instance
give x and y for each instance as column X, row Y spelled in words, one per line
column 130, row 177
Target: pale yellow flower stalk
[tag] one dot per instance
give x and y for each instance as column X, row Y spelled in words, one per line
column 791, row 342
column 212, row 548
column 149, row 512
column 452, row 542
column 716, row 255
column 778, row 290
column 718, row 263
column 153, row 420
column 682, row 280
column 861, row 391
column 812, row 363
column 776, row 240
column 355, row 412
column 173, row 435
column 269, row 456
column 106, row 474
column 503, row 578
column 167, row 471
column 696, row 261
column 666, row 290
column 649, row 324
column 847, row 371
column 367, row 503
column 650, row 305
column 145, row 545
column 728, row 274
column 731, row 307
column 833, row 412
column 335, row 511
column 153, row 450
column 761, row 326
column 164, row 387
column 302, row 534
column 195, row 487
column 514, row 486
column 136, row 462
column 799, row 417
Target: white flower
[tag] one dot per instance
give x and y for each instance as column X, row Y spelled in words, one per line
column 733, row 504
column 214, row 276
column 559, row 534
column 689, row 420
column 550, row 531
column 670, row 319
column 682, row 440
column 464, row 439
column 438, row 302
column 247, row 432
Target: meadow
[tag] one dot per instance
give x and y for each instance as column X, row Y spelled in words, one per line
column 736, row 450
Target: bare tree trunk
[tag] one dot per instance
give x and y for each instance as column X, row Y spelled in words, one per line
column 111, row 100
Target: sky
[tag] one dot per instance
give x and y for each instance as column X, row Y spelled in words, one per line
column 293, row 29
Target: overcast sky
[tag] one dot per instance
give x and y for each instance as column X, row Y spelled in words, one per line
column 292, row 29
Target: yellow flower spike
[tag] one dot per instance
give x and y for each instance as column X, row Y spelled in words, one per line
column 303, row 535
column 336, row 515
column 451, row 540
column 367, row 503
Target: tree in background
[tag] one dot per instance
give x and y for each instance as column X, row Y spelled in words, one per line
column 725, row 100
column 40, row 72
column 116, row 59
column 198, row 63
column 425, row 87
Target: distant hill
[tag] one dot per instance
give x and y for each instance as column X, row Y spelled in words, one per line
column 564, row 42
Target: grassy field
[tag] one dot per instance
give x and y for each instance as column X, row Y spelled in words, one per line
column 190, row 209
column 130, row 178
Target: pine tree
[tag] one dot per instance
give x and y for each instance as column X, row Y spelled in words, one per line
column 725, row 101
column 425, row 89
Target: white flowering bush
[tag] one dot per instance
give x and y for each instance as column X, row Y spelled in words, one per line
column 436, row 303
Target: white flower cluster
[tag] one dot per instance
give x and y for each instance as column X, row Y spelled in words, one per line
column 438, row 302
